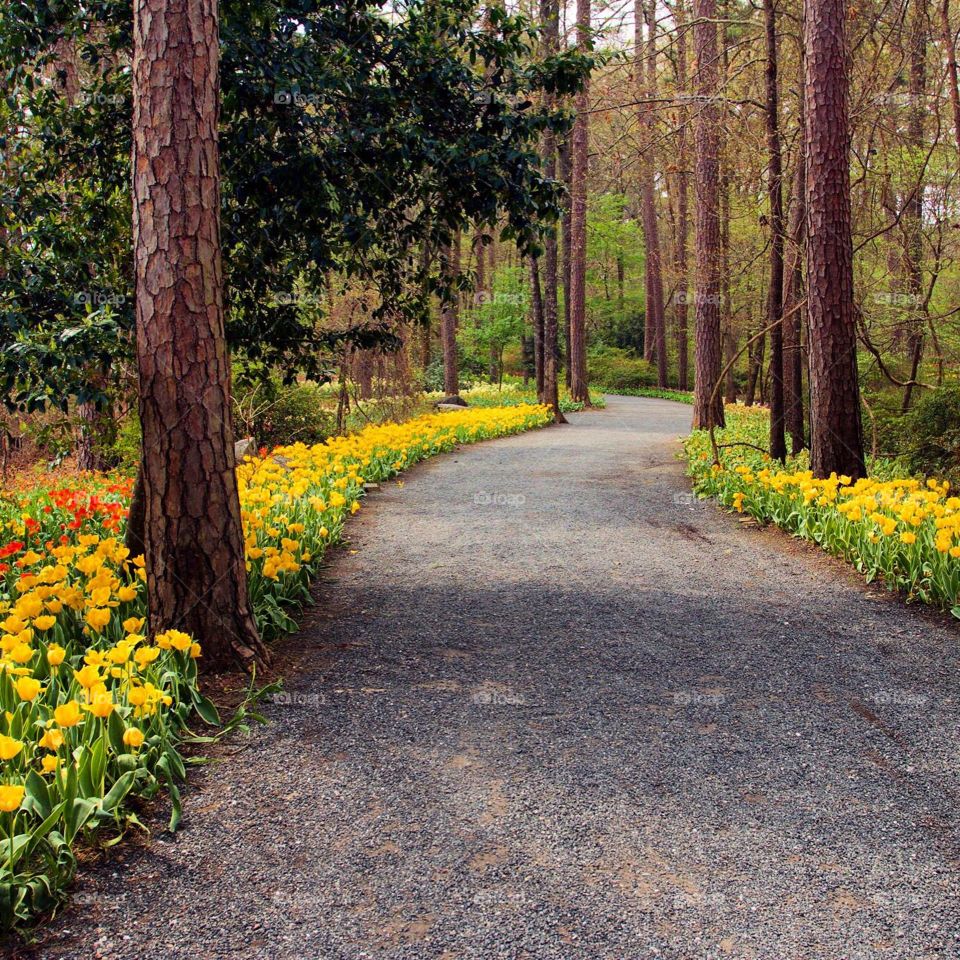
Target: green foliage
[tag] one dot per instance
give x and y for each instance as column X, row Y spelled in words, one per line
column 617, row 369
column 680, row 396
column 497, row 319
column 614, row 247
column 930, row 435
column 319, row 99
column 276, row 414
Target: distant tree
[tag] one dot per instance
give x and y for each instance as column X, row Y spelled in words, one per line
column 450, row 264
column 778, row 443
column 578, row 223
column 708, row 403
column 645, row 70
column 683, row 216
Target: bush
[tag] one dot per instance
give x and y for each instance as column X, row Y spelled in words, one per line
column 618, row 369
column 276, row 414
column 930, row 435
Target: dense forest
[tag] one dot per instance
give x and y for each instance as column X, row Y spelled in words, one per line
column 463, row 206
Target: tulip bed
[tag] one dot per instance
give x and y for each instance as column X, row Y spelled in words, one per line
column 901, row 530
column 93, row 711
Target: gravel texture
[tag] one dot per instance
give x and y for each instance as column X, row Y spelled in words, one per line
column 550, row 706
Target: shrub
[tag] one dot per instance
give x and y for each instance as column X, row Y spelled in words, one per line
column 618, row 369
column 276, row 414
column 929, row 441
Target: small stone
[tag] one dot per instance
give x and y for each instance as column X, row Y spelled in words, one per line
column 244, row 448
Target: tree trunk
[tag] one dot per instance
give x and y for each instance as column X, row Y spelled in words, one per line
column 480, row 286
column 728, row 331
column 578, row 224
column 655, row 339
column 683, row 216
column 550, row 24
column 836, row 432
column 536, row 318
column 92, row 420
column 493, row 363
column 755, row 354
column 448, row 320
column 950, row 48
column 913, row 207
column 566, row 176
column 729, row 357
column 793, row 315
column 778, row 441
column 707, row 412
column 196, row 574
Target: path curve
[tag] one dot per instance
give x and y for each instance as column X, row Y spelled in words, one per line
column 552, row 707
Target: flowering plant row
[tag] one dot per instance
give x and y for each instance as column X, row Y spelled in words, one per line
column 902, row 530
column 93, row 709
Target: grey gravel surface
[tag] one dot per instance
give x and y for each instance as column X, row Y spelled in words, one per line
column 552, row 707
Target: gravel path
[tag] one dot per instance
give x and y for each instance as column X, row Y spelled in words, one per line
column 551, row 707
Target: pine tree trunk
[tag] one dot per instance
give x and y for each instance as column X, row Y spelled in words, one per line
column 836, row 433
column 536, row 318
column 550, row 24
column 578, row 225
column 448, row 322
column 707, row 173
column 950, row 48
column 913, row 207
column 778, row 442
column 655, row 340
column 793, row 315
column 196, row 575
column 683, row 216
column 566, row 172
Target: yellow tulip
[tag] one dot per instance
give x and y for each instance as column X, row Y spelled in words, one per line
column 101, row 706
column 22, row 653
column 68, row 714
column 87, row 676
column 11, row 796
column 133, row 737
column 98, row 618
column 52, row 739
column 9, row 747
column 27, row 688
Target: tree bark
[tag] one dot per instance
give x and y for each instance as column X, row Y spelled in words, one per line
column 196, row 574
column 793, row 315
column 536, row 318
column 707, row 412
column 494, row 358
column 578, row 224
column 912, row 219
column 655, row 339
column 778, row 441
column 448, row 319
column 950, row 48
column 836, row 432
column 683, row 216
column 566, row 171
column 550, row 23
